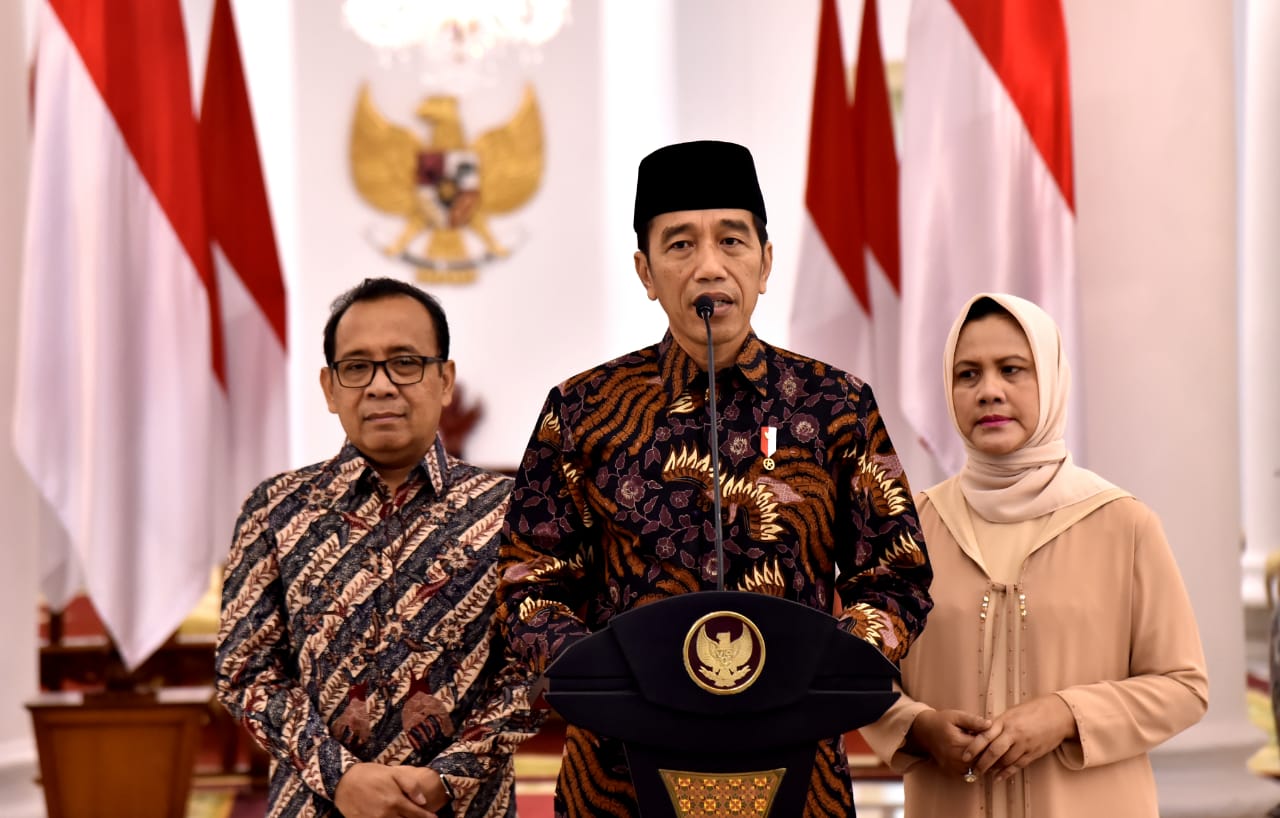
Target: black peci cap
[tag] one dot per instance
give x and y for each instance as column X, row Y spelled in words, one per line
column 703, row 175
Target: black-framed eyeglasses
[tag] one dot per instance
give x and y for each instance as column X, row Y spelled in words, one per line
column 402, row 370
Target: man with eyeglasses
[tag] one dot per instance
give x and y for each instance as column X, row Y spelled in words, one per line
column 359, row 591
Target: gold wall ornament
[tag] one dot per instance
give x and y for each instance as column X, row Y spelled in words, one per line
column 445, row 187
column 713, row 795
column 724, row 653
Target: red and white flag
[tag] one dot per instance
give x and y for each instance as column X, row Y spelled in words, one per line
column 846, row 307
column 987, row 192
column 250, row 283
column 120, row 363
column 140, row 428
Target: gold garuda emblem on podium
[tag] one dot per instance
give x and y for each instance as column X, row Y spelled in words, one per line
column 724, row 653
column 445, row 189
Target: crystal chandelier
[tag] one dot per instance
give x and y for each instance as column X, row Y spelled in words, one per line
column 456, row 33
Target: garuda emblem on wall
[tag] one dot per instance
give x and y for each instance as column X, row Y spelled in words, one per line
column 446, row 188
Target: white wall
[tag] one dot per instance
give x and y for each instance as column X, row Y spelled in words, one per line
column 620, row 80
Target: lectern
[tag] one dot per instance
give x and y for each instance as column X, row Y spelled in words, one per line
column 720, row 699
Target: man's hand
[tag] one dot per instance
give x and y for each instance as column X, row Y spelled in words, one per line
column 1020, row 735
column 382, row 791
column 944, row 735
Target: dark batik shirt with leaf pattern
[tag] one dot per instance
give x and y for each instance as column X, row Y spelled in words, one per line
column 612, row 508
column 355, row 628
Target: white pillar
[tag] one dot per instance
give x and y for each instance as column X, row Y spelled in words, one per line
column 1259, row 179
column 18, row 580
column 639, row 89
column 1153, row 93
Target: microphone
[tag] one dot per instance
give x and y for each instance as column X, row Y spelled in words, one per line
column 706, row 305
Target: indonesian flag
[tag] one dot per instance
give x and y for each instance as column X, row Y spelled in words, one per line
column 250, row 283
column 123, row 412
column 987, row 194
column 120, row 361
column 846, row 308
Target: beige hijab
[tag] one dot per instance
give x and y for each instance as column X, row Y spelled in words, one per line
column 1039, row 477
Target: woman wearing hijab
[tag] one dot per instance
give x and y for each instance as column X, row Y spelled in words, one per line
column 1062, row 646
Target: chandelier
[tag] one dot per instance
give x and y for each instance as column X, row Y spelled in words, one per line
column 449, row 34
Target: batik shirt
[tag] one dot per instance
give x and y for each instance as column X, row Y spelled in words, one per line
column 354, row 628
column 613, row 508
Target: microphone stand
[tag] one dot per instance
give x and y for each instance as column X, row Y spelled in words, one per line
column 705, row 307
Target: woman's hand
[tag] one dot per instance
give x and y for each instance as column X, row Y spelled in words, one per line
column 945, row 734
column 1019, row 736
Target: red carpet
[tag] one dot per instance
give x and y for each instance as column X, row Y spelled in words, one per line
column 533, row 806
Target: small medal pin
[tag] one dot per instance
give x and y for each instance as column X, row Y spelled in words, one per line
column 768, row 445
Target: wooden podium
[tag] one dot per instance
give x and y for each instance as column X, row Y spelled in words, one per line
column 720, row 699
column 115, row 754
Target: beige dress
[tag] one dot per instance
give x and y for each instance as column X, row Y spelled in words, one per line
column 1093, row 610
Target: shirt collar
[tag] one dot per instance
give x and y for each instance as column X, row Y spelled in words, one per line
column 433, row 469
column 679, row 370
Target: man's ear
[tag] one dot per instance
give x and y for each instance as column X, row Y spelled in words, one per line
column 646, row 275
column 448, row 374
column 327, row 385
column 766, row 265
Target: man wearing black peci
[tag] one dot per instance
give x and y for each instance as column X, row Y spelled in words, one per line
column 613, row 502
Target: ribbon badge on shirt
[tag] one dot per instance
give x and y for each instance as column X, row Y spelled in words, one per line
column 768, row 445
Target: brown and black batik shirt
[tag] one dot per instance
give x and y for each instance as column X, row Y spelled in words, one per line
column 612, row 508
column 355, row 628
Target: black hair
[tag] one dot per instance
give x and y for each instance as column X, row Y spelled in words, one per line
column 372, row 289
column 642, row 236
column 984, row 307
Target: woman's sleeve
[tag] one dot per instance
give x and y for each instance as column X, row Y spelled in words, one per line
column 887, row 736
column 1168, row 689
